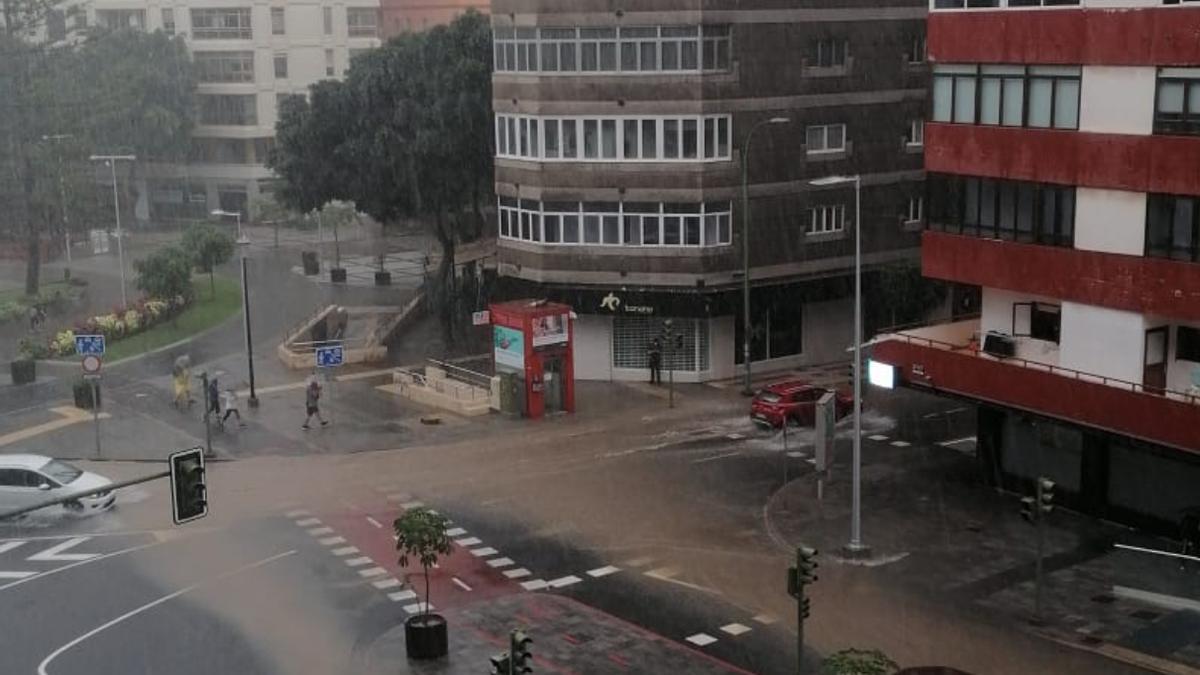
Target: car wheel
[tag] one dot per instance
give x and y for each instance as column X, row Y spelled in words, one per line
column 75, row 506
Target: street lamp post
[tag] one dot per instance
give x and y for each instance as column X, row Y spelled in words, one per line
column 62, row 196
column 856, row 547
column 747, row 389
column 243, row 243
column 111, row 161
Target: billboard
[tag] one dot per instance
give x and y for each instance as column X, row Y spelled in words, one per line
column 509, row 346
column 550, row 330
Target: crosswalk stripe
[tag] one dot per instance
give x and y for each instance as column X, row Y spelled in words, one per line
column 564, row 581
column 735, row 629
column 400, row 596
column 384, row 584
column 468, row 541
column 345, row 550
column 419, row 606
column 372, row 572
column 308, row 522
column 320, row 531
column 359, row 562
column 603, row 571
column 455, row 532
column 483, row 552
column 10, row 545
column 533, row 584
column 701, row 639
column 517, row 573
column 500, row 562
column 330, row 541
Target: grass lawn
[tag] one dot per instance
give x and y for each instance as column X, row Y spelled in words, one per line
column 206, row 312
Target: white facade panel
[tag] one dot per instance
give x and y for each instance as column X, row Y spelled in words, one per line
column 1117, row 100
column 721, row 347
column 1112, row 221
column 593, row 347
column 996, row 315
column 1102, row 341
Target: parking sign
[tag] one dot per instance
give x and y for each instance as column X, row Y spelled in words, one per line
column 329, row 357
column 89, row 344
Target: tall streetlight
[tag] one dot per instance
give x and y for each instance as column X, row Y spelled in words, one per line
column 62, row 194
column 111, row 161
column 856, row 546
column 747, row 389
column 244, row 243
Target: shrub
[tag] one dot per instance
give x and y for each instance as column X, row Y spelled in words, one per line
column 166, row 273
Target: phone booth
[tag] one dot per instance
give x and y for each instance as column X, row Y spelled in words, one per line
column 532, row 349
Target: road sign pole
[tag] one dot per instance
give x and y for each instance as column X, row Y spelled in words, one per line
column 96, row 411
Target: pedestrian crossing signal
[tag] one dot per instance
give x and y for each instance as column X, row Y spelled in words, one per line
column 522, row 657
column 501, row 664
column 189, row 494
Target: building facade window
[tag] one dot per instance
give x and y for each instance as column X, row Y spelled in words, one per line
column 281, row 66
column 1177, row 102
column 221, row 23
column 916, row 133
column 829, row 53
column 118, row 19
column 1029, row 96
column 278, row 21
column 224, row 66
column 1187, row 344
column 915, row 213
column 228, row 109
column 826, row 219
column 327, row 20
column 362, row 21
column 1002, row 209
column 628, row 49
column 617, row 139
column 1037, row 320
column 1173, row 227
column 825, row 138
column 916, row 49
column 329, row 65
column 168, row 20
column 616, row 223
column 985, row 4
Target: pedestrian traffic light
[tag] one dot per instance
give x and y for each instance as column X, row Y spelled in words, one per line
column 806, row 562
column 501, row 664
column 522, row 658
column 1027, row 509
column 1045, row 494
column 189, row 495
column 805, row 607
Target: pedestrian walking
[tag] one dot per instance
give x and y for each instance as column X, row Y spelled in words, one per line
column 37, row 317
column 181, row 372
column 655, row 357
column 229, row 399
column 312, row 403
column 214, row 398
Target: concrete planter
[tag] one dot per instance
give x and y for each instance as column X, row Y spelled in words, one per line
column 426, row 637
column 23, row 371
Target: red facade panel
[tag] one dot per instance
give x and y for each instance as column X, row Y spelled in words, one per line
column 1146, row 416
column 1145, row 36
column 1114, row 161
column 1154, row 286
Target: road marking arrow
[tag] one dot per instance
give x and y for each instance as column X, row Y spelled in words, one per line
column 55, row 553
column 10, row 545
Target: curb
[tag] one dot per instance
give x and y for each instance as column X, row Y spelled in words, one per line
column 156, row 350
column 1132, row 657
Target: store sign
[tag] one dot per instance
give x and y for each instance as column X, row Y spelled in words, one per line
column 612, row 303
column 881, row 374
column 550, row 330
column 508, row 346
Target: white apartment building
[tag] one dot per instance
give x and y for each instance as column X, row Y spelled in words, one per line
column 249, row 55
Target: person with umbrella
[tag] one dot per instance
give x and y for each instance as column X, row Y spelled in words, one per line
column 181, row 373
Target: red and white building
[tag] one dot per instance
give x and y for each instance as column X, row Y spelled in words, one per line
column 1063, row 162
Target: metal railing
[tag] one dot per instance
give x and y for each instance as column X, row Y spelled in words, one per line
column 974, row 350
column 464, row 375
column 459, row 391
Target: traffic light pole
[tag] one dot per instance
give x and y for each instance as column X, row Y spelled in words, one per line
column 1038, row 574
column 799, row 609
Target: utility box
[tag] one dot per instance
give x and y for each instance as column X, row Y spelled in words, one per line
column 532, row 351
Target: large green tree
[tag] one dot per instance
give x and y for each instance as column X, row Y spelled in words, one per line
column 407, row 134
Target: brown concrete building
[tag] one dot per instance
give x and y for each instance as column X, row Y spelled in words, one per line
column 406, row 16
column 620, row 136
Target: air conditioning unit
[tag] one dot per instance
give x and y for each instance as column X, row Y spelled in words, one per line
column 999, row 344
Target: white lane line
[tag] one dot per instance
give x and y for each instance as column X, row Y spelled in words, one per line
column 701, row 639
column 16, row 575
column 413, row 504
column 668, row 574
column 372, row 572
column 401, row 596
column 455, row 532
column 500, row 562
column 877, row 437
column 901, row 444
column 374, row 522
column 517, row 573
column 308, row 522
column 459, row 582
column 957, row 441
column 603, row 571
column 384, row 584
column 715, row 457
column 533, row 585
column 330, row 541
column 297, row 513
column 345, row 550
column 320, row 531
column 359, row 562
column 638, row 562
column 55, row 553
column 468, row 541
column 419, row 607
column 735, row 629
column 483, row 552
column 64, row 568
column 564, row 581
column 10, row 545
column 150, row 605
column 765, row 619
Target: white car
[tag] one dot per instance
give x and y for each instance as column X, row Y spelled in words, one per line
column 26, row 480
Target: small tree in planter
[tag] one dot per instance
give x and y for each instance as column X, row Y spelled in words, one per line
column 421, row 535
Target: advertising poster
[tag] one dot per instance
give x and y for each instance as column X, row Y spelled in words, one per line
column 509, row 346
column 550, row 330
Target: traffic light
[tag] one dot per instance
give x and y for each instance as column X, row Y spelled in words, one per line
column 806, row 559
column 522, row 658
column 501, row 664
column 805, row 607
column 1027, row 509
column 1045, row 491
column 189, row 495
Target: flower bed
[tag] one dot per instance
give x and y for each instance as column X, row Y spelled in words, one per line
column 116, row 325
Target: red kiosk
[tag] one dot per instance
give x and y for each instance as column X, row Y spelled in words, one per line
column 533, row 353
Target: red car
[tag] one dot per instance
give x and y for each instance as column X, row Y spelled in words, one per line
column 796, row 401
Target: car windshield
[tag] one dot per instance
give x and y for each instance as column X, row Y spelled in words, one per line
column 769, row 397
column 61, row 471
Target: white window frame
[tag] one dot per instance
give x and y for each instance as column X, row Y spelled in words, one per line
column 916, row 210
column 826, row 219
column 227, row 23
column 713, row 142
column 825, row 149
column 168, row 20
column 518, row 223
column 916, row 133
column 510, row 44
column 354, row 26
column 278, row 21
column 276, row 60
